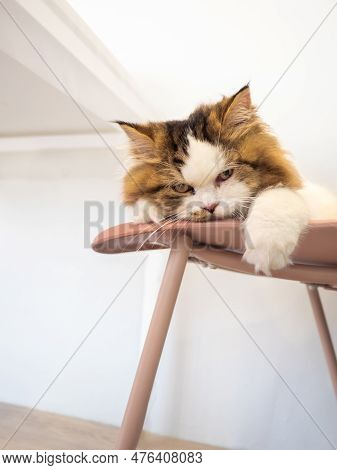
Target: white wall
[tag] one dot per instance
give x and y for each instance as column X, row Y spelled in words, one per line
column 184, row 52
column 54, row 288
column 213, row 384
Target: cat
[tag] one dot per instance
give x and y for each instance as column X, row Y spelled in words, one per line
column 223, row 161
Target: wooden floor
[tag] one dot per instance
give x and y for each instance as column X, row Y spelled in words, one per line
column 43, row 430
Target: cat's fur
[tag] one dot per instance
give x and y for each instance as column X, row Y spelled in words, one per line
column 223, row 161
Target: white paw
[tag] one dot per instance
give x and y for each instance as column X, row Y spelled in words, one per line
column 202, row 263
column 269, row 257
column 140, row 219
column 144, row 212
column 273, row 227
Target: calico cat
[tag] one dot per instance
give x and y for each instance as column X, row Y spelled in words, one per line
column 223, row 161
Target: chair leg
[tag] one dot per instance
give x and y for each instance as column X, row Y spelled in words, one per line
column 142, row 386
column 323, row 330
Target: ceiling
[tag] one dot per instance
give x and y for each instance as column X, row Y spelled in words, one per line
column 56, row 76
column 31, row 106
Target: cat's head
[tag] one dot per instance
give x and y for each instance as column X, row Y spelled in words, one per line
column 210, row 165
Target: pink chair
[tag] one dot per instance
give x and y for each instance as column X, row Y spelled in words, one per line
column 219, row 243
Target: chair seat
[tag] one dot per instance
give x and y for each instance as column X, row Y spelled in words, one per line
column 220, row 243
column 317, row 245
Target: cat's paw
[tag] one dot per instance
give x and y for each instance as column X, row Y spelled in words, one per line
column 140, row 219
column 202, row 263
column 273, row 227
column 144, row 212
column 268, row 257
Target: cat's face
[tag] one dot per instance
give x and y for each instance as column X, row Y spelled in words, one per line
column 210, row 165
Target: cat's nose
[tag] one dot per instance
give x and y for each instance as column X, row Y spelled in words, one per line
column 211, row 207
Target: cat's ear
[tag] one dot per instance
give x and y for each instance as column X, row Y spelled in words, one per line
column 141, row 139
column 238, row 108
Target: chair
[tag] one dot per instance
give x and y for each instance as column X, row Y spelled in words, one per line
column 219, row 243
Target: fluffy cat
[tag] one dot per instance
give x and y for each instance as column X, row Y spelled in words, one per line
column 223, row 161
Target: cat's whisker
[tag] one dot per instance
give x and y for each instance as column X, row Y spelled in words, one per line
column 152, row 233
column 175, row 221
column 166, row 220
column 166, row 230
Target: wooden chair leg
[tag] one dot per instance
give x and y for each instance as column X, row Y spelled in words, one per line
column 134, row 416
column 323, row 330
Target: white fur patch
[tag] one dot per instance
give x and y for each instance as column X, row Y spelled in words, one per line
column 204, row 163
column 144, row 212
column 321, row 202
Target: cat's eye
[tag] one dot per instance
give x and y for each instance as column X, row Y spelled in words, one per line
column 224, row 175
column 178, row 161
column 182, row 188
